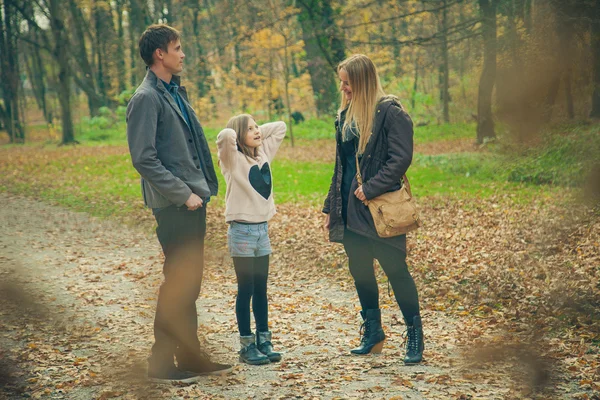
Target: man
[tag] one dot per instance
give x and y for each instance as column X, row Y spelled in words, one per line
column 169, row 150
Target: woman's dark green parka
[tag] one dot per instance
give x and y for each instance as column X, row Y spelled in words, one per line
column 386, row 159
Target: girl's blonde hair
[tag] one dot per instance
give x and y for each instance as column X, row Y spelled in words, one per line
column 239, row 124
column 366, row 93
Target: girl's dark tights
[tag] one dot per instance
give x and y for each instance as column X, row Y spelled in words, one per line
column 252, row 274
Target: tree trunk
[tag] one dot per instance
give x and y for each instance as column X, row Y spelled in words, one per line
column 485, row 121
column 5, row 78
column 528, row 15
column 508, row 87
column 286, row 79
column 595, row 112
column 203, row 73
column 564, row 57
column 215, row 29
column 10, row 73
column 100, row 40
column 80, row 54
column 270, row 83
column 415, row 84
column 335, row 36
column 64, row 77
column 105, row 36
column 550, row 99
column 37, row 76
column 397, row 48
column 133, row 49
column 444, row 67
column 322, row 54
column 139, row 19
column 236, row 44
column 120, row 46
column 569, row 93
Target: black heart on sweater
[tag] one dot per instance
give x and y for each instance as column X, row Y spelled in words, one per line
column 260, row 179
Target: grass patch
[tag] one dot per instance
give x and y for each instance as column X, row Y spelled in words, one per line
column 100, row 179
column 94, row 132
column 301, row 182
column 310, row 129
column 96, row 180
column 95, row 135
column 436, row 133
column 102, row 130
column 565, row 157
column 105, row 184
column 470, row 176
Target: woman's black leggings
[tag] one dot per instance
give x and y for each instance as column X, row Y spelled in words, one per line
column 252, row 274
column 361, row 251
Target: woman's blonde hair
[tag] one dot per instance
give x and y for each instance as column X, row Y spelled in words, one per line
column 239, row 124
column 366, row 93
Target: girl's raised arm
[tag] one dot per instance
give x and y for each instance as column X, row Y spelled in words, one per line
column 227, row 147
column 272, row 136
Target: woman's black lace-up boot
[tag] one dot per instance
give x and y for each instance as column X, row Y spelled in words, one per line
column 372, row 333
column 414, row 342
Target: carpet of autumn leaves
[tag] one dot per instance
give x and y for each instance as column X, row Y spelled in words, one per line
column 522, row 279
column 510, row 290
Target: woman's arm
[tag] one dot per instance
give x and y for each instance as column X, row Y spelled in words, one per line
column 326, row 205
column 227, row 147
column 400, row 152
column 272, row 137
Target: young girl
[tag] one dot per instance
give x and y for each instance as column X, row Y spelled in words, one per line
column 245, row 152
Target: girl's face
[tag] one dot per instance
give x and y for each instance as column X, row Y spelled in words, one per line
column 253, row 137
column 345, row 84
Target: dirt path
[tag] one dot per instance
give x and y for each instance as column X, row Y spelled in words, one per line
column 77, row 322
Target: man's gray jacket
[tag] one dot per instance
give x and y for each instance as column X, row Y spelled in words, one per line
column 173, row 158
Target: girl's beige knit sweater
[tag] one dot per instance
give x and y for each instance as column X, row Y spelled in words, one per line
column 249, row 195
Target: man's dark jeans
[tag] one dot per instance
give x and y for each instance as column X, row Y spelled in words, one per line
column 181, row 235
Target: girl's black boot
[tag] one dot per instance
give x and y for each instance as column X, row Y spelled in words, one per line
column 263, row 342
column 249, row 354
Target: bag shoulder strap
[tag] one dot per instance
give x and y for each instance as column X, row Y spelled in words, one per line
column 403, row 180
column 358, row 175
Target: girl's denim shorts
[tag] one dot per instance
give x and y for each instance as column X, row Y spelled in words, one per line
column 248, row 240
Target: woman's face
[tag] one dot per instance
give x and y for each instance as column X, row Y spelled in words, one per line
column 345, row 84
column 253, row 137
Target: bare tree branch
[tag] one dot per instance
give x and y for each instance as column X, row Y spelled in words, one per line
column 248, row 34
column 426, row 40
column 35, row 43
column 396, row 17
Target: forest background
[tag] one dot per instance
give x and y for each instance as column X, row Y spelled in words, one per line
column 78, row 63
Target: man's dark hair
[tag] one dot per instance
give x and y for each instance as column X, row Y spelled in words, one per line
column 156, row 37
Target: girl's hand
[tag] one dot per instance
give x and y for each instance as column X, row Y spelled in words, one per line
column 360, row 194
column 327, row 221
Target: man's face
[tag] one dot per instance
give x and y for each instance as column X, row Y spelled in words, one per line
column 172, row 60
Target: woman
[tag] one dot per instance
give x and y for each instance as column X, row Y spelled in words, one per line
column 373, row 128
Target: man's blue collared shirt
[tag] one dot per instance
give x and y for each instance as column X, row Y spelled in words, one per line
column 173, row 88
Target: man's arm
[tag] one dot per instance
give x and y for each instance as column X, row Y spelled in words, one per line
column 142, row 122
